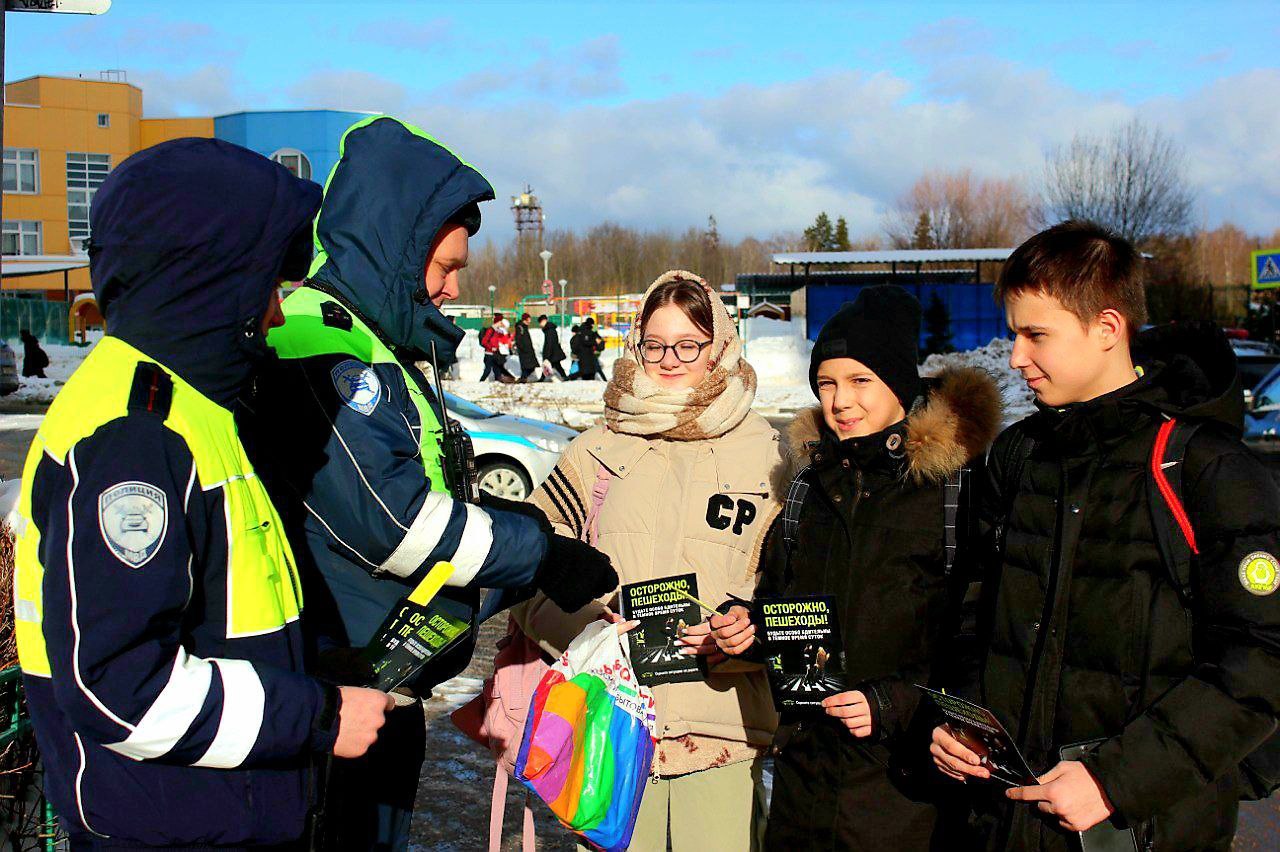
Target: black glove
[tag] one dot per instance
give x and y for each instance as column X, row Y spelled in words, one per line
column 529, row 510
column 574, row 573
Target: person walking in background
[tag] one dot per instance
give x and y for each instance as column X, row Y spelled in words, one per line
column 689, row 471
column 524, row 349
column 586, row 347
column 493, row 341
column 552, row 351
column 34, row 359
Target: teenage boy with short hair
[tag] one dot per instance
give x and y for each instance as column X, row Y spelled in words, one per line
column 1086, row 636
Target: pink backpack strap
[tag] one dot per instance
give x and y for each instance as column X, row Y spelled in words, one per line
column 497, row 814
column 598, row 492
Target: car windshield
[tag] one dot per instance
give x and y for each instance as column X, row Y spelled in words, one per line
column 469, row 410
column 1267, row 393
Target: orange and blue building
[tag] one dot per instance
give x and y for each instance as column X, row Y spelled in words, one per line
column 62, row 136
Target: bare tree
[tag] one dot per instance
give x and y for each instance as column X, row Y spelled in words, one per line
column 957, row 210
column 1132, row 181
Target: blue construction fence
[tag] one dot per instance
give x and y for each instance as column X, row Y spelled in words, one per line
column 975, row 317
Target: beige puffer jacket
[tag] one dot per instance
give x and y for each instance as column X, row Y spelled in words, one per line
column 674, row 507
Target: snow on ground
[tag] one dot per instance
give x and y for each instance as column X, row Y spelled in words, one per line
column 63, row 361
column 776, row 349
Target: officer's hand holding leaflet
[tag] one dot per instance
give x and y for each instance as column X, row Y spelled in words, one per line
column 360, row 716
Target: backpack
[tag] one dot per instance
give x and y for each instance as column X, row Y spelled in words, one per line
column 486, row 340
column 496, row 717
column 1176, row 541
column 951, row 491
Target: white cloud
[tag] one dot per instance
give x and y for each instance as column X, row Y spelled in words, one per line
column 353, row 90
column 765, row 159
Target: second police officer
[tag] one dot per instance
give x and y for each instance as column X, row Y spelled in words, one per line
column 348, row 433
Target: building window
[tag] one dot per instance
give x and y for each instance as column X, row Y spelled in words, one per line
column 295, row 161
column 21, row 170
column 85, row 173
column 21, row 238
column 104, row 119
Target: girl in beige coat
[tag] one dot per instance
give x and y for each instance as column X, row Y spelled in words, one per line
column 690, row 472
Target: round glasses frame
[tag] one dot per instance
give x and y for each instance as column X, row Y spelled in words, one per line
column 652, row 352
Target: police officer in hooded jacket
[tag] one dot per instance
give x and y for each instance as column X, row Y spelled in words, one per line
column 157, row 602
column 348, row 432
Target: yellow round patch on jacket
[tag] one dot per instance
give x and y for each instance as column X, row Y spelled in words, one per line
column 1260, row 573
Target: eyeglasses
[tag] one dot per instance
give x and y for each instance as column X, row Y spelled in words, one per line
column 687, row 351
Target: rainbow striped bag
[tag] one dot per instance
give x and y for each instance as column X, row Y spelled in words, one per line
column 589, row 739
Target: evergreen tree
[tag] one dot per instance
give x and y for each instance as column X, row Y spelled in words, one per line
column 923, row 237
column 937, row 325
column 841, row 240
column 818, row 236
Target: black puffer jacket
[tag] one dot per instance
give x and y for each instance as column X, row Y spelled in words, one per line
column 871, row 534
column 1087, row 636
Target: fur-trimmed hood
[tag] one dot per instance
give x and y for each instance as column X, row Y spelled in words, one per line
column 959, row 419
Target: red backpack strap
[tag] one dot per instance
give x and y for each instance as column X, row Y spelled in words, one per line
column 1175, row 535
column 1166, row 472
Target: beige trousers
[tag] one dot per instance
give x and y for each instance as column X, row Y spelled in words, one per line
column 715, row 810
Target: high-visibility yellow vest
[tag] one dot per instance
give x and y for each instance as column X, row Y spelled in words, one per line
column 263, row 590
column 305, row 335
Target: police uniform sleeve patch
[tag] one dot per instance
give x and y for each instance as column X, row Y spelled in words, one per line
column 1260, row 573
column 133, row 517
column 358, row 385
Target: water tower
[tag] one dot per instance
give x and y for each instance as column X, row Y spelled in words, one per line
column 527, row 210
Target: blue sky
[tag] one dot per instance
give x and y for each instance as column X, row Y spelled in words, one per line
column 655, row 114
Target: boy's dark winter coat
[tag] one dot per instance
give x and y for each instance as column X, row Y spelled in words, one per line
column 871, row 534
column 1087, row 637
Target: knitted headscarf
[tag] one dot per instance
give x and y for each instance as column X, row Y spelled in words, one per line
column 635, row 404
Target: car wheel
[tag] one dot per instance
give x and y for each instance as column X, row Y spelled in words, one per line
column 505, row 480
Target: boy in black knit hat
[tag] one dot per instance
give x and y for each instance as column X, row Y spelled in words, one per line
column 865, row 525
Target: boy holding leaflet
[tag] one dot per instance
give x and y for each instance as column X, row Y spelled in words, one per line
column 1139, row 694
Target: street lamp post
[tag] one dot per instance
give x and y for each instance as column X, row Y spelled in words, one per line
column 545, row 254
column 492, row 290
column 563, row 304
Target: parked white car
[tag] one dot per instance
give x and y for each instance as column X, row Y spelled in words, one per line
column 513, row 454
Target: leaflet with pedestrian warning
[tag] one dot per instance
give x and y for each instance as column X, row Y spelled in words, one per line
column 978, row 729
column 804, row 656
column 664, row 608
column 420, row 628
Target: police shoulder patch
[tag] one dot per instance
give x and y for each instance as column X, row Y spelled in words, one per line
column 358, row 385
column 133, row 517
column 1260, row 573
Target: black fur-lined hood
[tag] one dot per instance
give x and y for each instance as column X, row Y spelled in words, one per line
column 958, row 420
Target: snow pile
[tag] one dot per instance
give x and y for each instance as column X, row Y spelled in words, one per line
column 63, row 361
column 994, row 358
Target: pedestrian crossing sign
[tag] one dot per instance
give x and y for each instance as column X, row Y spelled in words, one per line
column 1266, row 269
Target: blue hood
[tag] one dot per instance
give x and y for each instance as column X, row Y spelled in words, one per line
column 391, row 191
column 189, row 237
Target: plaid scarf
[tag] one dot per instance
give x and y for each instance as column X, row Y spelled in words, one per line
column 635, row 404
